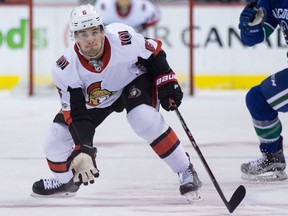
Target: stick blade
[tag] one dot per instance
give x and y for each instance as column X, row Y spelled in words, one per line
column 236, row 198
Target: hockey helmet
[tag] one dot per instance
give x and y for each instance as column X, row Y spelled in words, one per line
column 84, row 16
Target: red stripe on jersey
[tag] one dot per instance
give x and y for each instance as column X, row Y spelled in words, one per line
column 67, row 117
column 58, row 167
column 154, row 97
column 166, row 143
column 159, row 47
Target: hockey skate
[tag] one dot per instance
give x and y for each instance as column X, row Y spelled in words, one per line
column 270, row 167
column 53, row 188
column 190, row 184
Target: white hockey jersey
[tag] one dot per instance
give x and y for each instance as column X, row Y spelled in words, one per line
column 103, row 86
column 141, row 14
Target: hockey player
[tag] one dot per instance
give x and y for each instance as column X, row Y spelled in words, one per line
column 140, row 14
column 110, row 68
column 258, row 20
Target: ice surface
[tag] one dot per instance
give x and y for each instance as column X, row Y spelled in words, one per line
column 133, row 180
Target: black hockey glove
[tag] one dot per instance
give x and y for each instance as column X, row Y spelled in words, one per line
column 83, row 164
column 169, row 91
column 251, row 19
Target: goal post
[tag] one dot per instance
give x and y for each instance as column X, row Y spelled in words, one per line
column 30, row 45
column 191, row 39
column 187, row 74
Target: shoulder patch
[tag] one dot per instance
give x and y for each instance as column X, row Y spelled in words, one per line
column 125, row 37
column 149, row 46
column 62, row 62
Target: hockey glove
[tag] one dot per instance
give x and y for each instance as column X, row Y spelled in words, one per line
column 169, row 90
column 82, row 163
column 251, row 19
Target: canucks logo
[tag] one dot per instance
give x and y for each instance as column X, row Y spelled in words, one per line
column 284, row 28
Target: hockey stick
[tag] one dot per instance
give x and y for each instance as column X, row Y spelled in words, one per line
column 240, row 192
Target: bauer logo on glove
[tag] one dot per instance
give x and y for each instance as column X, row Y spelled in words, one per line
column 168, row 88
column 162, row 80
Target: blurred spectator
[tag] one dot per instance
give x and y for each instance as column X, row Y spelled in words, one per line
column 222, row 1
column 14, row 1
column 92, row 2
column 140, row 14
column 165, row 2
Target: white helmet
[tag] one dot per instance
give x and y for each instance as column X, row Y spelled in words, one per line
column 84, row 16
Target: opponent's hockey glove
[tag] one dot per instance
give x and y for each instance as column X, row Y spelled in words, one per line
column 251, row 19
column 169, row 91
column 82, row 163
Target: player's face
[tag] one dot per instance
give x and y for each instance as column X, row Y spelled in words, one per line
column 90, row 40
column 124, row 3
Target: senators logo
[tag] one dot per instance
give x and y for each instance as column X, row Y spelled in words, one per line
column 134, row 92
column 96, row 94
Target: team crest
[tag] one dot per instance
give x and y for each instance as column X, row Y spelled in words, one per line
column 62, row 62
column 125, row 37
column 96, row 94
column 134, row 92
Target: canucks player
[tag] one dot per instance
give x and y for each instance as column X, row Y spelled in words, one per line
column 109, row 69
column 258, row 21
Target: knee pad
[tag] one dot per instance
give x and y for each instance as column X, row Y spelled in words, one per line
column 58, row 143
column 258, row 106
column 146, row 122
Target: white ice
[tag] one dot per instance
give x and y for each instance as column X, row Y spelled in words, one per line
column 133, row 180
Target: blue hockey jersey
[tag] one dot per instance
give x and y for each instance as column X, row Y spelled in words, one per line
column 276, row 12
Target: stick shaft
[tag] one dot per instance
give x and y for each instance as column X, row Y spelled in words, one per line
column 239, row 193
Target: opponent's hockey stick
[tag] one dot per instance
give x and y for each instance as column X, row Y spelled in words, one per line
column 240, row 192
